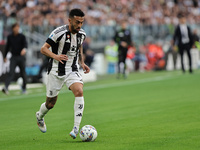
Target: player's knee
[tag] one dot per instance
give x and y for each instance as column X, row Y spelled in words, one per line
column 50, row 102
column 78, row 92
column 50, row 105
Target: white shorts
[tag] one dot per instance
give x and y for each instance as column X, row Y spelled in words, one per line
column 55, row 82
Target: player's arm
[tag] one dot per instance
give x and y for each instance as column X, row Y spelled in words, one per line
column 6, row 49
column 129, row 39
column 86, row 69
column 175, row 36
column 23, row 51
column 45, row 50
column 174, row 39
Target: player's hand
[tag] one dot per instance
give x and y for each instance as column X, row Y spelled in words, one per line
column 5, row 59
column 23, row 52
column 124, row 44
column 86, row 69
column 61, row 58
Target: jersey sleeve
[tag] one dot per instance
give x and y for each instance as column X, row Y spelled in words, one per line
column 52, row 39
column 83, row 38
column 83, row 35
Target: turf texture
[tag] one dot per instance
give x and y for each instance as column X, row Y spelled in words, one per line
column 146, row 111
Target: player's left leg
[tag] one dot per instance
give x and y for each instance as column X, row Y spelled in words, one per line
column 124, row 61
column 189, row 57
column 21, row 64
column 181, row 51
column 77, row 89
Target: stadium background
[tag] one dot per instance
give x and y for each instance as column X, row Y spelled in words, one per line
column 150, row 21
column 152, row 110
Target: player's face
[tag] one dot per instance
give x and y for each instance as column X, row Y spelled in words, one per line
column 16, row 29
column 123, row 25
column 182, row 20
column 76, row 23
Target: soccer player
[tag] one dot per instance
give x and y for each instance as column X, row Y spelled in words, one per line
column 123, row 39
column 64, row 47
column 17, row 45
column 184, row 40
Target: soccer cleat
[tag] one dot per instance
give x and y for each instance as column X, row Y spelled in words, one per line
column 41, row 124
column 5, row 91
column 73, row 133
column 24, row 91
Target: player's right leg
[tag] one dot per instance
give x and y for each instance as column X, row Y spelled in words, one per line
column 44, row 108
column 53, row 86
column 13, row 64
column 40, row 121
column 118, row 69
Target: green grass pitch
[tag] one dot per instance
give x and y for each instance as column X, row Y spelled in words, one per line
column 146, row 111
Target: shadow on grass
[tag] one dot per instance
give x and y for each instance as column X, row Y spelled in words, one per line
column 78, row 141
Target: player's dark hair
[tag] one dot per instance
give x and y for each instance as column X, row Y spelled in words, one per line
column 14, row 25
column 76, row 12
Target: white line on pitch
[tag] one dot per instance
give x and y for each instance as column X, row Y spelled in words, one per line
column 101, row 86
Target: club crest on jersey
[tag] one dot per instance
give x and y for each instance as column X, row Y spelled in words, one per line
column 68, row 36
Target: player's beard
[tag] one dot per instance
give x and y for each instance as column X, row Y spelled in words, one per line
column 75, row 30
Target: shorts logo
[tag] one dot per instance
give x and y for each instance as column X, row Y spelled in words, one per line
column 77, row 75
column 51, row 93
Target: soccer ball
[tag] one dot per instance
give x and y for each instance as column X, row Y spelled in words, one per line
column 88, row 133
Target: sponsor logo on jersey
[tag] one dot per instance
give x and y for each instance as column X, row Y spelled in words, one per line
column 51, row 92
column 51, row 36
column 68, row 41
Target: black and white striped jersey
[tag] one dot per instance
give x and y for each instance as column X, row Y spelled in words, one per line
column 62, row 41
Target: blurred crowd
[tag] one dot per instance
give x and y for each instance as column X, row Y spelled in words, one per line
column 148, row 56
column 100, row 12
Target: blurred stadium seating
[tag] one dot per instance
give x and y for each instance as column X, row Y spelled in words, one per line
column 149, row 20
